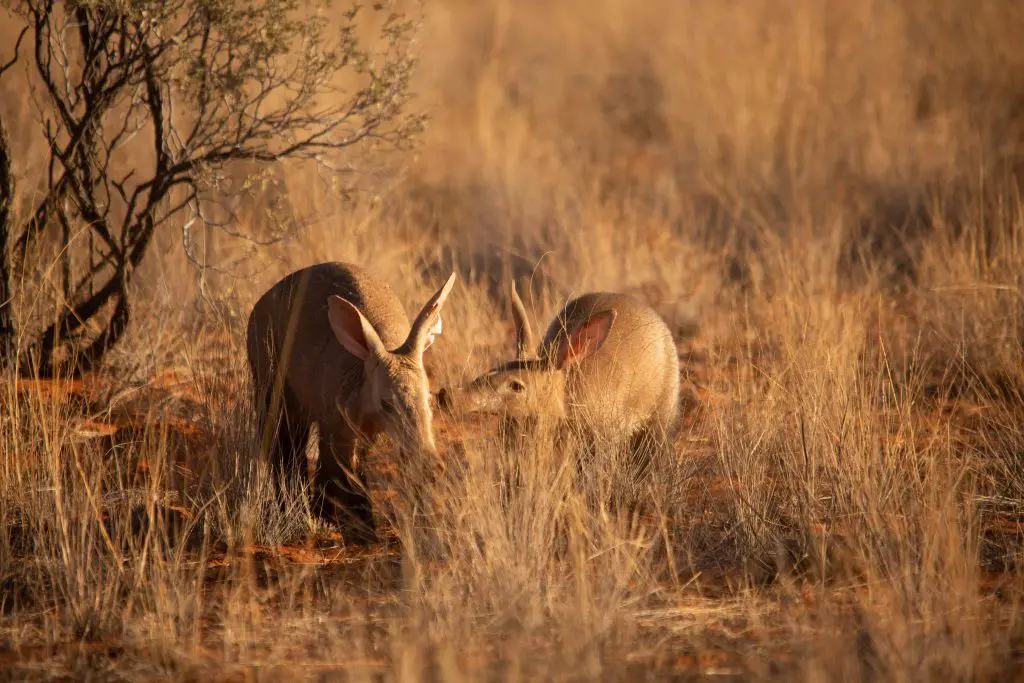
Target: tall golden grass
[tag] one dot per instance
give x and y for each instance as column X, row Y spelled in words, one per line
column 830, row 189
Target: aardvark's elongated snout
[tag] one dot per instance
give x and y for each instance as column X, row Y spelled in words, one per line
column 472, row 398
column 414, row 439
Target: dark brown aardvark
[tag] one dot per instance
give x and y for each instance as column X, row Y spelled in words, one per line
column 332, row 345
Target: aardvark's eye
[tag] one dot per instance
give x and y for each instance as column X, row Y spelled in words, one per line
column 516, row 386
column 387, row 407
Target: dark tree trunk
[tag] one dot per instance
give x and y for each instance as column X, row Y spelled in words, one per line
column 7, row 334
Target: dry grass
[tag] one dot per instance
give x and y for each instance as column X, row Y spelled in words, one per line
column 830, row 189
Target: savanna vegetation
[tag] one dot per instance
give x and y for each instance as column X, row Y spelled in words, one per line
column 821, row 198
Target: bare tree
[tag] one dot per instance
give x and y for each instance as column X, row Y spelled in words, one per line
column 144, row 102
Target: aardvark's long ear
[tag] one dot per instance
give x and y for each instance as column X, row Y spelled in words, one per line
column 585, row 340
column 353, row 330
column 526, row 344
column 427, row 325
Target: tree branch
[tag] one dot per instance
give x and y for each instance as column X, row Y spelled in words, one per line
column 17, row 47
column 7, row 329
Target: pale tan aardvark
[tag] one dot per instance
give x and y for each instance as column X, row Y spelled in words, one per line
column 332, row 345
column 607, row 366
